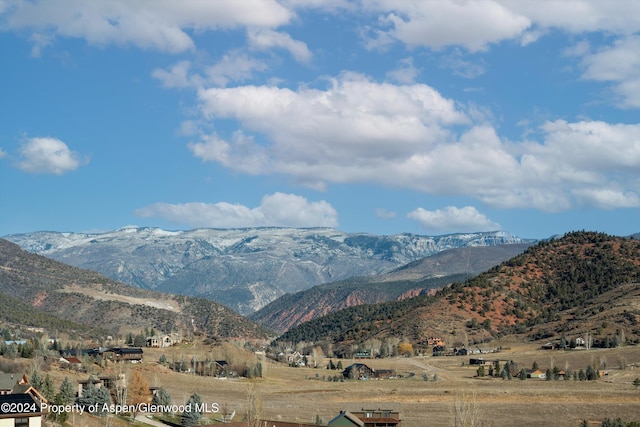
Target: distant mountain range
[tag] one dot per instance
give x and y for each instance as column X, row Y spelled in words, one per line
column 245, row 269
column 36, row 291
column 582, row 283
column 415, row 278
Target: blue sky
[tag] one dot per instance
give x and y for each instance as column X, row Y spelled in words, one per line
column 377, row 116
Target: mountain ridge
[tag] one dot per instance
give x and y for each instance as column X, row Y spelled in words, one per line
column 244, row 269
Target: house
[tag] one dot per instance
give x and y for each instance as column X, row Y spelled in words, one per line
column 378, row 417
column 122, row 354
column 346, row 419
column 162, row 341
column 8, row 381
column 363, row 354
column 460, row 351
column 439, row 350
column 537, row 373
column 435, row 341
column 19, row 409
column 358, row 371
column 71, row 362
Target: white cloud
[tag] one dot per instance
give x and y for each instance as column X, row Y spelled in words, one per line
column 176, row 77
column 234, row 66
column 47, row 155
column 276, row 210
column 408, row 136
column 476, row 24
column 579, row 16
column 2, row 153
column 437, row 23
column 339, row 134
column 453, row 219
column 265, row 39
column 619, row 64
column 405, row 73
column 160, row 25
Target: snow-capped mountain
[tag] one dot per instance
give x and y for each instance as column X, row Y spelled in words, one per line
column 242, row 268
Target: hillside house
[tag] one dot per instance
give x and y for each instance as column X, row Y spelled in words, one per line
column 123, row 354
column 435, row 341
column 29, row 415
column 71, row 362
column 9, row 381
column 162, row 341
column 439, row 350
column 363, row 354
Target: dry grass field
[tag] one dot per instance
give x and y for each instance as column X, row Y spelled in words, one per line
column 294, row 394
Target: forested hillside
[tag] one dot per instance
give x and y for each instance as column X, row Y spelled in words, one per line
column 571, row 285
column 415, row 278
column 51, row 292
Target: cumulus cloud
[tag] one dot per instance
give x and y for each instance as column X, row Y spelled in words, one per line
column 276, row 210
column 437, row 24
column 409, row 136
column 47, row 155
column 160, row 25
column 475, row 25
column 264, row 39
column 620, row 65
column 453, row 219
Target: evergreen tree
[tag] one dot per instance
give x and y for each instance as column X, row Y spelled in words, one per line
column 67, row 391
column 522, row 374
column 95, row 397
column 36, row 380
column 48, row 389
column 191, row 417
column 161, row 398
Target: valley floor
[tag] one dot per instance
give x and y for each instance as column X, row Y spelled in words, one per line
column 302, row 394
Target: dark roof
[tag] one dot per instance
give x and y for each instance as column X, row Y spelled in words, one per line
column 7, row 381
column 127, row 350
column 18, row 401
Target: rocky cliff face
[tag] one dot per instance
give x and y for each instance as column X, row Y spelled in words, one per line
column 242, row 268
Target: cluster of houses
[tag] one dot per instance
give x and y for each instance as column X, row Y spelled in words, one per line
column 21, row 404
column 73, row 358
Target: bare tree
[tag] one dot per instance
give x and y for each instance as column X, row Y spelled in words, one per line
column 254, row 407
column 466, row 410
